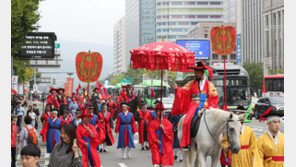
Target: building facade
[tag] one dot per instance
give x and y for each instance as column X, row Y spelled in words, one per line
column 175, row 18
column 132, row 28
column 273, row 32
column 147, row 21
column 203, row 31
column 230, row 8
column 119, row 38
column 250, row 27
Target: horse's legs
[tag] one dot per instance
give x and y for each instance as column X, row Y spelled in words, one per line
column 185, row 162
column 215, row 159
column 200, row 160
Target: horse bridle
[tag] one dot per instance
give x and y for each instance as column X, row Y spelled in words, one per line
column 229, row 120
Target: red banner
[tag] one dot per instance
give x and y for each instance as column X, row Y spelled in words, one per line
column 69, row 87
column 223, row 39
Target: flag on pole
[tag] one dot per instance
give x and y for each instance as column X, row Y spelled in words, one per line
column 152, row 92
column 77, row 90
column 99, row 86
column 104, row 94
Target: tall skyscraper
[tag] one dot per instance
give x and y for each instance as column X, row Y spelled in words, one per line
column 147, row 21
column 132, row 26
column 249, row 28
column 273, row 33
column 119, row 47
column 175, row 18
column 230, row 10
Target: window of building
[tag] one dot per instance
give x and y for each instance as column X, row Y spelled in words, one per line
column 183, row 10
column 176, row 3
column 214, row 56
column 177, row 16
column 189, row 3
column 194, row 23
column 172, row 23
column 159, row 3
column 202, row 3
column 215, row 16
column 183, row 23
column 233, row 56
column 165, row 3
column 206, row 35
column 189, row 16
column 209, row 10
column 195, row 10
column 202, row 16
column 215, row 3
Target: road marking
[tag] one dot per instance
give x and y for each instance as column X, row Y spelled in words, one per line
column 122, row 165
column 46, row 155
column 46, row 162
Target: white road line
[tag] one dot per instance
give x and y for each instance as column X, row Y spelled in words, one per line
column 122, row 165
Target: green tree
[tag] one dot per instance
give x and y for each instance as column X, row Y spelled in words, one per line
column 275, row 71
column 255, row 71
column 24, row 16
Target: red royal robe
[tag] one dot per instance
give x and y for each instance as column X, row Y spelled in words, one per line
column 167, row 141
column 42, row 132
column 50, row 99
column 184, row 105
column 104, row 124
column 68, row 120
column 141, row 124
column 113, row 106
column 94, row 142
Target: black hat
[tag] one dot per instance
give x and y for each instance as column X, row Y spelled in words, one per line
column 157, row 102
column 143, row 102
column 91, row 107
column 272, row 112
column 103, row 105
column 124, row 103
column 201, row 66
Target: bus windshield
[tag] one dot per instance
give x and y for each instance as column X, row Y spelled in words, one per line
column 274, row 84
column 235, row 95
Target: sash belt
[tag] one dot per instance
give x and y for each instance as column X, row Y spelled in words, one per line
column 245, row 147
column 275, row 158
column 125, row 123
column 54, row 128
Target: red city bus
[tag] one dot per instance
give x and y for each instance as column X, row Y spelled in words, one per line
column 273, row 86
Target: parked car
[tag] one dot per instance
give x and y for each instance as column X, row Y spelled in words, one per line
column 264, row 103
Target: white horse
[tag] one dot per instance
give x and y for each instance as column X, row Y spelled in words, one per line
column 207, row 141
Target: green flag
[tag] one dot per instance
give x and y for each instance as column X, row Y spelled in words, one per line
column 250, row 107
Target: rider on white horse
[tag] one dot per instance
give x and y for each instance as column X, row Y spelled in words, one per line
column 195, row 95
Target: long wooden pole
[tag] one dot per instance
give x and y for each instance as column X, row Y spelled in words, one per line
column 88, row 77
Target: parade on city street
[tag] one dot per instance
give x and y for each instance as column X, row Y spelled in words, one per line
column 147, row 83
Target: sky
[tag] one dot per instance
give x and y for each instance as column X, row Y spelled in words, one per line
column 81, row 25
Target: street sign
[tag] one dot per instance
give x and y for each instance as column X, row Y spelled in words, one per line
column 38, row 45
column 123, row 80
column 57, row 45
column 238, row 46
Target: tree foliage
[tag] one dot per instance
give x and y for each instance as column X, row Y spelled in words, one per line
column 24, row 16
column 255, row 71
column 275, row 71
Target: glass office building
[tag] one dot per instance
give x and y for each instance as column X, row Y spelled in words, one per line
column 147, row 21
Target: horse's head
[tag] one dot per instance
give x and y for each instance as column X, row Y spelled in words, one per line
column 232, row 132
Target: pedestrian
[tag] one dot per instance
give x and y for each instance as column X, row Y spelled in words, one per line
column 270, row 146
column 66, row 118
column 126, row 127
column 88, row 140
column 33, row 116
column 77, row 120
column 247, row 141
column 52, row 131
column 28, row 110
column 66, row 153
column 174, row 119
column 23, row 140
column 142, row 125
column 160, row 137
column 44, row 118
column 30, row 155
column 106, row 123
column 36, row 111
column 20, row 112
column 13, row 139
column 73, row 106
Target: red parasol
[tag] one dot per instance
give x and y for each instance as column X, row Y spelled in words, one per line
column 162, row 56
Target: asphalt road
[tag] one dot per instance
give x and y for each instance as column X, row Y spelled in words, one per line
column 112, row 158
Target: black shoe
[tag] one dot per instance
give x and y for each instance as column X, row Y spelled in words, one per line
column 142, row 148
column 147, row 148
column 105, row 150
column 101, row 150
column 175, row 157
column 181, row 160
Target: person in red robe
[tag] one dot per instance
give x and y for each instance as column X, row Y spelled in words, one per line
column 66, row 118
column 160, row 138
column 106, row 125
column 112, row 106
column 51, row 98
column 44, row 118
column 122, row 97
column 142, row 125
column 195, row 95
column 130, row 94
column 88, row 140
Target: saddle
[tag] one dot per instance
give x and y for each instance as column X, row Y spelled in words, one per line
column 194, row 124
